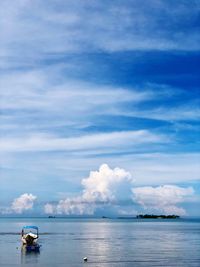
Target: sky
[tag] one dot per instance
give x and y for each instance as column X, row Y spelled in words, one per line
column 100, row 107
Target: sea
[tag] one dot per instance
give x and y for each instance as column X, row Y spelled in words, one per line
column 105, row 242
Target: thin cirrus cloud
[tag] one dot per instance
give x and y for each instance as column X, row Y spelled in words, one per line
column 84, row 82
column 182, row 112
column 113, row 140
column 31, row 100
column 32, row 90
column 33, row 29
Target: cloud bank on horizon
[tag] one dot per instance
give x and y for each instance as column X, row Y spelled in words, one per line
column 90, row 82
column 110, row 189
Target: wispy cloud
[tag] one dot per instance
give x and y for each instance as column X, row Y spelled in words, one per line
column 104, row 141
column 43, row 100
column 84, row 82
column 35, row 29
column 190, row 111
column 33, row 90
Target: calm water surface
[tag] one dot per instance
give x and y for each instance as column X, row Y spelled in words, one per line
column 65, row 242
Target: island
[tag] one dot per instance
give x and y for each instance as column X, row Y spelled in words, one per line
column 153, row 216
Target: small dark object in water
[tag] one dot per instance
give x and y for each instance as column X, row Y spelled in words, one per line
column 85, row 259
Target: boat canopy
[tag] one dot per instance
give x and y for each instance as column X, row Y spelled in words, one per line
column 30, row 227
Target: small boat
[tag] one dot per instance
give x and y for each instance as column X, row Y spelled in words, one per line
column 30, row 235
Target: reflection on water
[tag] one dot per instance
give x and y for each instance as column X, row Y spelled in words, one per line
column 29, row 257
column 112, row 243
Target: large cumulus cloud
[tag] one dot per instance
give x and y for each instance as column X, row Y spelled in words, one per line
column 105, row 186
column 110, row 188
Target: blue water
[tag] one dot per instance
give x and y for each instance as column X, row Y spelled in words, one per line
column 105, row 242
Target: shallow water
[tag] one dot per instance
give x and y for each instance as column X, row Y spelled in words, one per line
column 105, row 242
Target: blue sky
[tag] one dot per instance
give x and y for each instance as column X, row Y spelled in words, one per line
column 99, row 107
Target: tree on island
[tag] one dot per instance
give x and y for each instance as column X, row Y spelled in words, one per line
column 152, row 216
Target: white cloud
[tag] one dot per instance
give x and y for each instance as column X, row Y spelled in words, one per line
column 113, row 189
column 23, row 203
column 44, row 110
column 162, row 168
column 44, row 100
column 45, row 89
column 48, row 208
column 103, row 141
column 163, row 198
column 33, row 29
column 148, row 168
column 105, row 186
column 172, row 114
column 68, row 206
